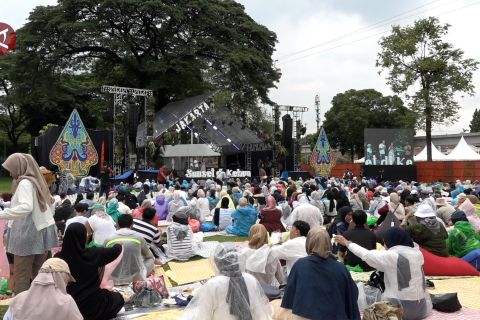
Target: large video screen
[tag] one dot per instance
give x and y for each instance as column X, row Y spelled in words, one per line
column 388, row 147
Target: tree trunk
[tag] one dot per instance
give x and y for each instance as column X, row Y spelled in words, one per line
column 428, row 125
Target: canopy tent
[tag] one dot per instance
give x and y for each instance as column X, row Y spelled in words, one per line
column 189, row 150
column 361, row 160
column 436, row 155
column 462, row 152
column 213, row 125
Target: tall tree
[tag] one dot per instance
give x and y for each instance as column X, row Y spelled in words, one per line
column 12, row 116
column 475, row 122
column 428, row 71
column 354, row 110
column 176, row 48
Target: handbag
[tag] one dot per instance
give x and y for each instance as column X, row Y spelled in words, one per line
column 376, row 280
column 446, row 302
column 383, row 310
column 155, row 283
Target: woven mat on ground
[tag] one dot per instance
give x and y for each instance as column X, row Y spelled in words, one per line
column 163, row 315
column 468, row 290
column 191, row 271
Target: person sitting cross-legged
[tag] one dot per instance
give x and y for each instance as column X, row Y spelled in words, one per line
column 244, row 217
column 137, row 261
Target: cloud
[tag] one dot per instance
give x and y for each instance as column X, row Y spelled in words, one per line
column 303, row 23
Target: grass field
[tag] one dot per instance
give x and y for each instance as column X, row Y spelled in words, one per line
column 5, row 184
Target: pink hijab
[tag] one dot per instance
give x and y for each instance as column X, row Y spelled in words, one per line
column 271, row 203
column 471, row 214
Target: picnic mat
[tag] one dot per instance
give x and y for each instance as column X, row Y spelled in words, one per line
column 191, row 271
column 462, row 314
column 172, row 314
column 468, row 290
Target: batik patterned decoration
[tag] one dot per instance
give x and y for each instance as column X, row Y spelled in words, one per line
column 323, row 159
column 74, row 149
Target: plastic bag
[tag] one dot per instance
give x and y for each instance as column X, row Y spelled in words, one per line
column 147, row 298
column 367, row 295
column 208, row 226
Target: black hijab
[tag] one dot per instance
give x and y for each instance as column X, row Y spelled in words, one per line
column 86, row 264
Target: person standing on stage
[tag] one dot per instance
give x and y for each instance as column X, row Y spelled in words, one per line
column 162, row 177
column 381, row 150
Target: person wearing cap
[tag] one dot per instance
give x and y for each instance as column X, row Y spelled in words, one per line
column 444, row 210
column 47, row 297
column 462, row 239
column 231, row 295
column 180, row 240
column 427, row 231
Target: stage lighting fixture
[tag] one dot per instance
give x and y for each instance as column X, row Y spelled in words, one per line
column 228, row 139
column 196, row 134
column 215, row 128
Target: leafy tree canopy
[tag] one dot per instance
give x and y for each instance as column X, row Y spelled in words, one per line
column 475, row 122
column 355, row 110
column 428, row 71
column 178, row 48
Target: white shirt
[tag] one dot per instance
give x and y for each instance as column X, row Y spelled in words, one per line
column 24, row 202
column 209, row 301
column 291, row 251
column 80, row 219
column 102, row 228
column 123, row 208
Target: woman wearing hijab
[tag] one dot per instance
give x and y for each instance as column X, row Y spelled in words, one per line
column 161, row 207
column 270, row 216
column 47, row 297
column 462, row 239
column 396, row 207
column 471, row 213
column 319, row 287
column 203, row 205
column 260, row 260
column 87, row 266
column 33, row 231
column 244, row 217
column 175, row 204
column 425, row 229
column 306, row 212
column 231, row 295
column 402, row 264
column 180, row 240
column 112, row 209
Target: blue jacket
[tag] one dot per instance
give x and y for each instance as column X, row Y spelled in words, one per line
column 244, row 219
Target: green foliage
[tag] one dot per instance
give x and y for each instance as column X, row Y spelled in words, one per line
column 427, row 70
column 46, row 127
column 355, row 110
column 475, row 122
column 176, row 48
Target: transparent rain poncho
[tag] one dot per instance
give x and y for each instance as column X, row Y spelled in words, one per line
column 231, row 295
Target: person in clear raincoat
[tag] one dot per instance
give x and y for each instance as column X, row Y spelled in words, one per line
column 402, row 264
column 231, row 295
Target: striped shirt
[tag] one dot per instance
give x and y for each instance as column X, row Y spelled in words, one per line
column 148, row 231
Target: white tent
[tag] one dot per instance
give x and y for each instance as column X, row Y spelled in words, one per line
column 463, row 152
column 361, row 160
column 436, row 155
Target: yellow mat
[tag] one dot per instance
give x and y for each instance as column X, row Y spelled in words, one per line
column 162, row 315
column 468, row 290
column 191, row 271
column 160, row 272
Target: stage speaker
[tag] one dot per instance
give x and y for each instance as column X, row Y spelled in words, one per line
column 133, row 115
column 287, row 130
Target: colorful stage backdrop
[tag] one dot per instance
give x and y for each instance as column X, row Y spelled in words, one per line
column 73, row 147
column 323, row 159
